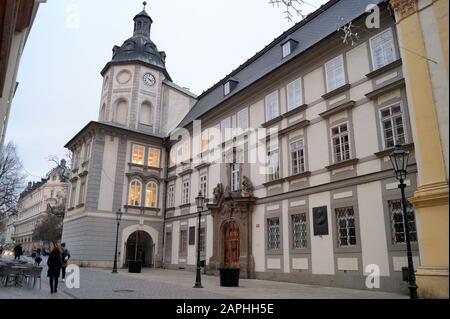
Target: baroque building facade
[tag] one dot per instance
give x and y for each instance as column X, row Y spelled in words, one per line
column 291, row 150
column 35, row 202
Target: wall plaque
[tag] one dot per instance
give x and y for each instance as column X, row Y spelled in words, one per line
column 320, row 221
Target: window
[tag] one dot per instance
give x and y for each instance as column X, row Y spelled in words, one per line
column 392, row 125
column 204, row 185
column 173, row 156
column 334, row 71
column 299, row 231
column 153, row 157
column 121, row 114
column 192, row 235
column 227, row 88
column 242, row 119
column 73, row 194
column 202, row 241
column 168, row 244
column 341, row 144
column 204, row 141
column 151, row 195
column 87, row 151
column 294, row 94
column 171, row 196
column 346, row 229
column 398, row 222
column 225, row 126
column 138, row 154
column 382, row 48
column 273, row 165
column 186, row 192
column 297, row 157
column 146, row 114
column 180, row 152
column 273, row 233
column 183, row 242
column 235, row 177
column 187, row 150
column 272, row 110
column 134, row 198
column 82, row 191
column 286, row 48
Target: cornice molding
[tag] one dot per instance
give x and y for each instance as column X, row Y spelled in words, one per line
column 404, row 8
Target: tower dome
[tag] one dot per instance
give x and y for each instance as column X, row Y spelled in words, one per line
column 140, row 48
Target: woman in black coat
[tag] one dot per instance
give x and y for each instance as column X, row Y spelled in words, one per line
column 54, row 264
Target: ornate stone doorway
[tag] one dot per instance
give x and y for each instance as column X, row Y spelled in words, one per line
column 232, row 231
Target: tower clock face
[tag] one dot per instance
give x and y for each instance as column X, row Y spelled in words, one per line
column 149, row 79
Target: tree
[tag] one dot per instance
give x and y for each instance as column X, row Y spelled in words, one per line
column 49, row 230
column 11, row 179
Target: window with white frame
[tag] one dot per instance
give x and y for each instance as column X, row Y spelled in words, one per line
column 186, row 193
column 73, row 194
column 297, row 157
column 171, row 196
column 151, row 193
column 273, row 233
column 383, row 49
column 138, row 154
column 294, row 94
column 227, row 88
column 346, row 226
column 341, row 142
column 134, row 196
column 299, row 231
column 286, row 48
column 204, row 185
column 398, row 222
column 242, row 119
column 173, row 156
column 392, row 125
column 272, row 108
column 235, row 177
column 202, row 240
column 82, row 191
column 273, row 166
column 225, row 129
column 187, row 150
column 334, row 71
column 183, row 242
column 153, row 157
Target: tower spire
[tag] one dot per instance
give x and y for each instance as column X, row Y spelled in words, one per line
column 142, row 22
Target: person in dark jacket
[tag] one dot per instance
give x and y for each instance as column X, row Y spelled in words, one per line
column 18, row 251
column 54, row 264
column 65, row 259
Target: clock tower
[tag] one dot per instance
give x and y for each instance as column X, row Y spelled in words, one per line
column 133, row 82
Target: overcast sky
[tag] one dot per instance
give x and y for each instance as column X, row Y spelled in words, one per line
column 59, row 75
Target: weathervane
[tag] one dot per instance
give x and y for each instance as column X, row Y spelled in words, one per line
column 144, row 3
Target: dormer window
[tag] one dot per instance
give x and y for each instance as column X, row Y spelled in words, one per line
column 286, row 49
column 288, row 46
column 229, row 86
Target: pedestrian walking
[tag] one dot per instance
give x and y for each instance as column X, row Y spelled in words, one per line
column 54, row 264
column 18, row 251
column 38, row 258
column 65, row 259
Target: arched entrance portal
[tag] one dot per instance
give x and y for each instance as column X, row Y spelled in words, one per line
column 139, row 246
column 231, row 241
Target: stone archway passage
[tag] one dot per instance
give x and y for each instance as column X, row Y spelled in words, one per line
column 231, row 241
column 139, row 246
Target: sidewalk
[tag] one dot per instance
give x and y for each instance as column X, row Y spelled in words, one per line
column 258, row 289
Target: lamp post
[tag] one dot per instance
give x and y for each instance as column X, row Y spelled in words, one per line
column 399, row 159
column 118, row 219
column 200, row 201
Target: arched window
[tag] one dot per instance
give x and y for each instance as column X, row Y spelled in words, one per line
column 103, row 113
column 146, row 114
column 121, row 114
column 134, row 197
column 151, row 193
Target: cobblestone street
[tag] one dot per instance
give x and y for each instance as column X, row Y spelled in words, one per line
column 173, row 284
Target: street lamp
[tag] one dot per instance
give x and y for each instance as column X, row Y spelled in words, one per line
column 118, row 219
column 399, row 159
column 200, row 201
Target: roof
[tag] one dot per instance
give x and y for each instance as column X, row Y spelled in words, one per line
column 103, row 125
column 314, row 28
